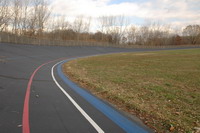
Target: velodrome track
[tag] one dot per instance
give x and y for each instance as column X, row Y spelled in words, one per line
column 35, row 97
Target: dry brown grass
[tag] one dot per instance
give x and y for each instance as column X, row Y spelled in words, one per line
column 162, row 88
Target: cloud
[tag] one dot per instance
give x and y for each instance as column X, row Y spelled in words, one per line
column 79, row 7
column 179, row 12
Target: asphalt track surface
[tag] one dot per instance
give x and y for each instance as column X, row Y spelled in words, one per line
column 48, row 109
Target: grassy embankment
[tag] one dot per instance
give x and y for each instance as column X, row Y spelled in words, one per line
column 162, row 88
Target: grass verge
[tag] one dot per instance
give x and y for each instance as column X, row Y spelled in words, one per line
column 161, row 88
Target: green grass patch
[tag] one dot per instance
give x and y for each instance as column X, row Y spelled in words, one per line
column 162, row 88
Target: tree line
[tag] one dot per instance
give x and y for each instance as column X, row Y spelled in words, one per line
column 34, row 18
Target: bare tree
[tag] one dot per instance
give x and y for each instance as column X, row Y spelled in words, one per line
column 60, row 23
column 81, row 25
column 154, row 34
column 16, row 19
column 103, row 24
column 116, row 26
column 4, row 14
column 42, row 12
column 78, row 26
column 25, row 16
column 192, row 32
column 143, row 35
column 132, row 34
column 31, row 22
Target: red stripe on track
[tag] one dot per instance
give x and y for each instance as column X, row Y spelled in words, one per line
column 25, row 117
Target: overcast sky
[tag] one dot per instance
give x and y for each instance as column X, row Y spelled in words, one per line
column 174, row 12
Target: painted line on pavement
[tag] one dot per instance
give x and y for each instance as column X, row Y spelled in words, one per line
column 25, row 117
column 87, row 117
column 127, row 125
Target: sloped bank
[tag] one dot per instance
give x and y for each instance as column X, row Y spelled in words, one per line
column 162, row 88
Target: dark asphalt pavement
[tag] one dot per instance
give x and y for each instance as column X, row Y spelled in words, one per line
column 50, row 110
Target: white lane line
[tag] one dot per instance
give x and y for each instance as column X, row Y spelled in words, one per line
column 98, row 129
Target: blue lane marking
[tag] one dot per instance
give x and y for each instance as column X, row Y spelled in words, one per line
column 127, row 125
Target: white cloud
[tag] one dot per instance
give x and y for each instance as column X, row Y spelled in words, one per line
column 177, row 12
column 79, row 7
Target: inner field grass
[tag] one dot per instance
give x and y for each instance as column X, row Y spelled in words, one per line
column 162, row 88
